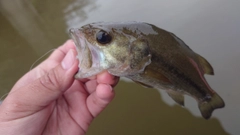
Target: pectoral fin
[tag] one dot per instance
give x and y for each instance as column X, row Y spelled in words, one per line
column 143, row 84
column 153, row 73
column 176, row 96
column 207, row 68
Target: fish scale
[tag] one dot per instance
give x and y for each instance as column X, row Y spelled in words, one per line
column 148, row 55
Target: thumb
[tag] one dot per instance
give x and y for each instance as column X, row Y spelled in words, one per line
column 47, row 88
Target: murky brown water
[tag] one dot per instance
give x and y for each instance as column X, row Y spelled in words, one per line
column 28, row 29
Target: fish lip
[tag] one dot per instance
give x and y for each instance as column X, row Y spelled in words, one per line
column 88, row 55
column 79, row 43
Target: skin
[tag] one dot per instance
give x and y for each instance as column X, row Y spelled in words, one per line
column 152, row 57
column 49, row 101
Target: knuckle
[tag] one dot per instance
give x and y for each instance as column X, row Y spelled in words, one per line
column 99, row 103
column 50, row 80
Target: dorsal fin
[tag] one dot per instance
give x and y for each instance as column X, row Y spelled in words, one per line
column 176, row 96
column 207, row 68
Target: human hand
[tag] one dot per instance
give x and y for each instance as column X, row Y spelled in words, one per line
column 48, row 100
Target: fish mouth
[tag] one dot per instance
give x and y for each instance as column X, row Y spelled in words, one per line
column 89, row 56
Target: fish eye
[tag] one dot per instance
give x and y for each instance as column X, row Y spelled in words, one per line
column 103, row 37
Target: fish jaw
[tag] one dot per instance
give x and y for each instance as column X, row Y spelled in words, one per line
column 90, row 57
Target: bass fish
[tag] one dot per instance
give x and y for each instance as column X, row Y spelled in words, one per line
column 149, row 56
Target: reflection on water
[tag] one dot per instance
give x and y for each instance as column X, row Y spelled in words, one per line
column 15, row 55
column 76, row 12
column 26, row 20
column 31, row 28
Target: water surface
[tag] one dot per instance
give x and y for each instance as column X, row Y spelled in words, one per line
column 28, row 29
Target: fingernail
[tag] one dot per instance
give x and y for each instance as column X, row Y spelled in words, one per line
column 68, row 60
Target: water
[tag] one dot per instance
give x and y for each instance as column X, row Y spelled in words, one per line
column 28, row 29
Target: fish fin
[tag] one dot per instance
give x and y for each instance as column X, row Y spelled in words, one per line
column 149, row 71
column 207, row 107
column 176, row 96
column 207, row 68
column 143, row 84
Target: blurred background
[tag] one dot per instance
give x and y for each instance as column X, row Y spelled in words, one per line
column 30, row 28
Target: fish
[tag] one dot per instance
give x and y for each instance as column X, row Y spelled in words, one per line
column 148, row 55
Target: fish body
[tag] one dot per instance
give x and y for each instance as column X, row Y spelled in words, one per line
column 148, row 55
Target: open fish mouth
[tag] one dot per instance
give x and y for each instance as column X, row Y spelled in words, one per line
column 89, row 56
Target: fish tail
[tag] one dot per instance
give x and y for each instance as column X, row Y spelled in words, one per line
column 207, row 107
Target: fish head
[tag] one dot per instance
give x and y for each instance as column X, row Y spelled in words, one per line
column 121, row 48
